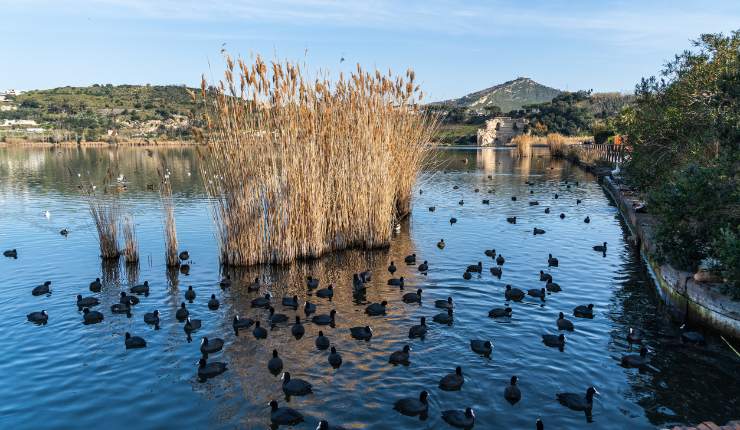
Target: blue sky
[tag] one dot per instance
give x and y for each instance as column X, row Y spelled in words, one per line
column 455, row 46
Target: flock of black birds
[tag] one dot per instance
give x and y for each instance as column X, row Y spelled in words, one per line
column 412, row 406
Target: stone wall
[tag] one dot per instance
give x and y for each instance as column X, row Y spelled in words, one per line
column 500, row 130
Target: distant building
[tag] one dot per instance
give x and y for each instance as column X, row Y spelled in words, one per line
column 18, row 123
column 6, row 107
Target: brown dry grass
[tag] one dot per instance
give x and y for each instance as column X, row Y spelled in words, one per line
column 557, row 145
column 170, row 229
column 131, row 244
column 105, row 217
column 523, row 144
column 298, row 167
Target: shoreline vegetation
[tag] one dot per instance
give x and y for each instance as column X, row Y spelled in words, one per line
column 332, row 164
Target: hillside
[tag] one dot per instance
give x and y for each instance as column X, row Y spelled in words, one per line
column 511, row 95
column 137, row 111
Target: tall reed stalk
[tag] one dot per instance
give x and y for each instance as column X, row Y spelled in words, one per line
column 297, row 167
column 523, row 144
column 170, row 230
column 557, row 145
column 105, row 216
column 130, row 242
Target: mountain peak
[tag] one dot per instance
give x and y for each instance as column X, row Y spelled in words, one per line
column 509, row 95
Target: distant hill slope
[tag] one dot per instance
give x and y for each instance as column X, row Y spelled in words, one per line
column 508, row 96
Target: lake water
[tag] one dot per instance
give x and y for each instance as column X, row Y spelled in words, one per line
column 69, row 375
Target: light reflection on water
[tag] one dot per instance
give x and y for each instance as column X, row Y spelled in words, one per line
column 66, row 374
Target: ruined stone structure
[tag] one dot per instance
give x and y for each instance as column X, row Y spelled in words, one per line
column 500, row 130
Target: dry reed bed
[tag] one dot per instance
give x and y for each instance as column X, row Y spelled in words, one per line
column 130, row 242
column 298, row 167
column 523, row 144
column 105, row 215
column 168, row 207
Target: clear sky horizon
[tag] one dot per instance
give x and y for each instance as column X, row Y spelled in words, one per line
column 455, row 47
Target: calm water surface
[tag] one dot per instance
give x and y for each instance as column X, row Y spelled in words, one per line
column 68, row 375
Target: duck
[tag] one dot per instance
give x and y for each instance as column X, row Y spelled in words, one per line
column 325, row 319
column 392, row 268
column 121, row 308
column 587, row 219
column 552, row 261
column 455, row 187
column 128, row 300
column 444, row 317
column 553, row 287
column 486, row 201
column 298, row 330
column 441, row 244
column 42, row 289
column 500, row 312
column 545, row 276
column 513, row 198
column 366, row 276
column 547, row 210
column 140, row 289
column 418, row 330
column 482, row 347
column 284, row 416
column 259, row 332
column 335, row 359
column 254, row 286
column 64, row 232
column 225, row 282
column 261, row 302
column 564, row 324
column 96, row 285
column 322, row 342
column 361, row 333
column 584, row 311
column 635, row 360
column 410, row 259
column 184, row 255
column 357, row 283
column 634, row 336
column 152, row 318
column 539, row 424
column 534, row 202
column 241, row 323
column 537, row 292
column 312, row 283
column 412, row 297
column 190, row 294
column 133, row 342
column 554, row 340
column 600, row 248
column 11, row 253
column 192, row 325
column 513, row 293
column 182, row 313
column 538, row 231
column 326, row 293
column 375, row 309
column 452, row 381
column 490, row 253
column 512, row 393
column 210, row 370
column 211, row 346
column 511, row 220
column 398, row 282
column 556, row 195
column 275, row 365
column 309, row 308
column 562, row 215
column 400, row 357
column 91, row 317
column 295, row 387
column 453, row 220
column 412, row 407
column 87, row 302
column 39, row 317
column 432, row 208
column 497, row 271
column 423, row 267
column 467, row 276
column 476, row 268
column 578, row 402
column 444, row 304
column 213, row 303
column 291, row 302
column 276, row 318
column 500, row 260
column 461, row 202
column 460, row 419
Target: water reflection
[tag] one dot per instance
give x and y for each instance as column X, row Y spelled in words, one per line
column 687, row 384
